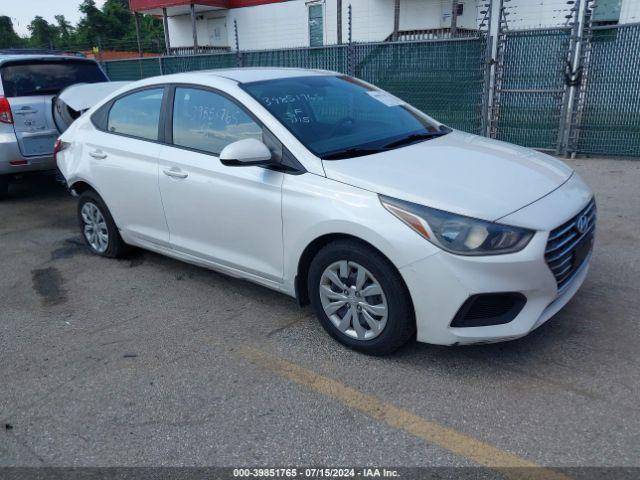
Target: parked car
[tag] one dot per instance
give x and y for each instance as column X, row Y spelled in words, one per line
column 337, row 193
column 28, row 129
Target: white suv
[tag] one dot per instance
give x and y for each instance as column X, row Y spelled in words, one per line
column 337, row 193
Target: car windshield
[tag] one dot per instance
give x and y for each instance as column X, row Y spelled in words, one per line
column 47, row 77
column 340, row 117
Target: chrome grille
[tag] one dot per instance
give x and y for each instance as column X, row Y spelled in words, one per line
column 569, row 245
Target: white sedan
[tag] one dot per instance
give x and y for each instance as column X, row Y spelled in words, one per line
column 337, row 193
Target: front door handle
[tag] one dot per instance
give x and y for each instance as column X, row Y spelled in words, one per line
column 175, row 173
column 99, row 154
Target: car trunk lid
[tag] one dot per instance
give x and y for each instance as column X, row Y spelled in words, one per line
column 33, row 123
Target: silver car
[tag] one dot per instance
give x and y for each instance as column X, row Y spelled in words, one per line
column 28, row 129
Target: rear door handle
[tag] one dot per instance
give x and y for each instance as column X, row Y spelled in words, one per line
column 99, row 154
column 175, row 173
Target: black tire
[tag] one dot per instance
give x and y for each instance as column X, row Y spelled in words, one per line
column 4, row 186
column 116, row 248
column 400, row 325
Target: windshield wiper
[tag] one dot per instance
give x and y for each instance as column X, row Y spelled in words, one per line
column 351, row 152
column 413, row 138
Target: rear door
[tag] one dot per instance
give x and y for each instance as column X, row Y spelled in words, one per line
column 123, row 157
column 30, row 85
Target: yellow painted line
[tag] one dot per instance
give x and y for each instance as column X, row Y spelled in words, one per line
column 508, row 464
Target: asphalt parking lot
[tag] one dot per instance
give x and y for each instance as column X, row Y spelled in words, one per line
column 149, row 361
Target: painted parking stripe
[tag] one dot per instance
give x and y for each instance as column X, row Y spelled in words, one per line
column 508, row 464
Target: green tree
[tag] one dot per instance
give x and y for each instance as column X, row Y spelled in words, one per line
column 92, row 26
column 8, row 36
column 66, row 31
column 111, row 28
column 43, row 34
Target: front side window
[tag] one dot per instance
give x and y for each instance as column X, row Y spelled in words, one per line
column 206, row 121
column 341, row 117
column 137, row 114
column 315, row 26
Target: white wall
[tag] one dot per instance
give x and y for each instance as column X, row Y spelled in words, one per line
column 275, row 25
column 424, row 14
column 285, row 24
column 180, row 34
column 630, row 11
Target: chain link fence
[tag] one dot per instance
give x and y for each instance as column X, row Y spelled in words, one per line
column 447, row 79
column 530, row 87
column 608, row 122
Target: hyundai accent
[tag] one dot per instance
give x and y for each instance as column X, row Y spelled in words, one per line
column 330, row 190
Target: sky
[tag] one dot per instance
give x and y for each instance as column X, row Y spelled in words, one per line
column 23, row 11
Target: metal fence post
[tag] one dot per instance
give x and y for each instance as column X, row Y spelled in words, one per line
column 573, row 76
column 238, row 53
column 495, row 60
column 160, row 65
column 488, row 70
column 350, row 53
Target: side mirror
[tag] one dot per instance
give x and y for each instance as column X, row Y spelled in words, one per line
column 245, row 153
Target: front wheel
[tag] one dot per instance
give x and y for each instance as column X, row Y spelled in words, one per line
column 360, row 298
column 98, row 228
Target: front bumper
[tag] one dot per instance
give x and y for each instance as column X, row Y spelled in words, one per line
column 10, row 152
column 440, row 284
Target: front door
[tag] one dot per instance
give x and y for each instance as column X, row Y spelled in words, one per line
column 229, row 216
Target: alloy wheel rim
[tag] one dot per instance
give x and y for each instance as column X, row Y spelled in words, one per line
column 353, row 300
column 95, row 227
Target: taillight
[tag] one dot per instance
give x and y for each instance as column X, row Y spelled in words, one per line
column 58, row 147
column 5, row 110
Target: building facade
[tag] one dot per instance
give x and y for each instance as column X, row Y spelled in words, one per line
column 269, row 24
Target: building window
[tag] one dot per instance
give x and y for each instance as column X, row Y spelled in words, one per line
column 460, row 8
column 315, row 25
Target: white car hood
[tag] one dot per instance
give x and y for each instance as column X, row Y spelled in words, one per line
column 458, row 172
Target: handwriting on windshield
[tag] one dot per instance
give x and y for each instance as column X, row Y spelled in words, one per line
column 284, row 99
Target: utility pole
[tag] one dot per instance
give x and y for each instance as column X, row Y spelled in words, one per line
column 136, row 18
column 454, row 17
column 165, row 25
column 339, row 20
column 194, row 29
column 396, row 19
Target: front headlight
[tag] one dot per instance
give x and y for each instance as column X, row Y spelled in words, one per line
column 456, row 233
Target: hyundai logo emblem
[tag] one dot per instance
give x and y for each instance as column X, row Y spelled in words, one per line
column 582, row 224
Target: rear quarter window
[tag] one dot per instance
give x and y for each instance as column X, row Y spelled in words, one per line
column 23, row 79
column 137, row 114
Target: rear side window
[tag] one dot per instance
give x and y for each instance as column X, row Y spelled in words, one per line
column 47, row 77
column 209, row 122
column 137, row 114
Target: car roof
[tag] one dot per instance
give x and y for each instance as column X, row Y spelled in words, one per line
column 4, row 57
column 252, row 74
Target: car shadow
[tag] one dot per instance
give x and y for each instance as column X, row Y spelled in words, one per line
column 36, row 187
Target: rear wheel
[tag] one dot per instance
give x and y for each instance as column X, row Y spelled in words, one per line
column 98, row 228
column 360, row 298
